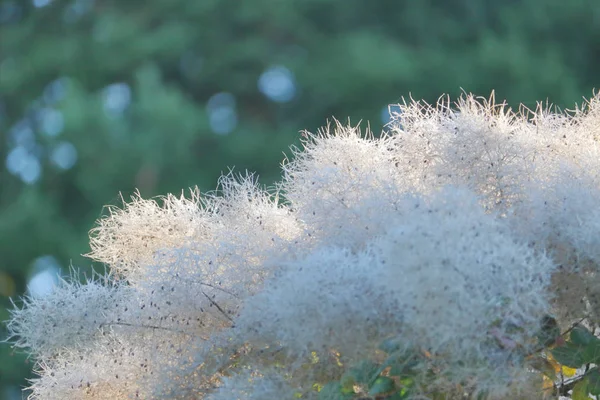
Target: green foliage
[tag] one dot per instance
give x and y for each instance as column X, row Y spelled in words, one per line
column 383, row 385
column 582, row 349
column 391, row 379
column 362, row 374
column 396, row 376
column 334, row 391
column 580, row 390
column 593, row 377
column 581, row 336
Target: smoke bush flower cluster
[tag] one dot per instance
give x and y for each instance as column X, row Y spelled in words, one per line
column 452, row 235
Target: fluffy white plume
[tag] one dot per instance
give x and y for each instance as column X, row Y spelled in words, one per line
column 454, row 235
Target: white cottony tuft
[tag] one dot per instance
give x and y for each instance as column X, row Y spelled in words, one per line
column 426, row 260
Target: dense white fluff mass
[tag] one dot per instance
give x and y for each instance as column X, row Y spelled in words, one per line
column 454, row 234
column 330, row 299
column 467, row 287
column 70, row 316
column 342, row 185
column 444, row 275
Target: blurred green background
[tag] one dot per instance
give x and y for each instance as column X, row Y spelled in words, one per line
column 99, row 97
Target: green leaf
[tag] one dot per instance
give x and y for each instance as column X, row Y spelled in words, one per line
column 362, row 373
column 407, row 382
column 584, row 348
column 582, row 336
column 591, row 353
column 406, row 385
column 334, row 391
column 593, row 377
column 347, row 382
column 580, row 390
column 570, row 354
column 382, row 385
column 401, row 363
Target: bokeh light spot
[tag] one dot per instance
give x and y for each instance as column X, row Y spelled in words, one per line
column 278, row 84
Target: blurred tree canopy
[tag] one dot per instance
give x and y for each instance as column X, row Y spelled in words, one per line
column 99, row 97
